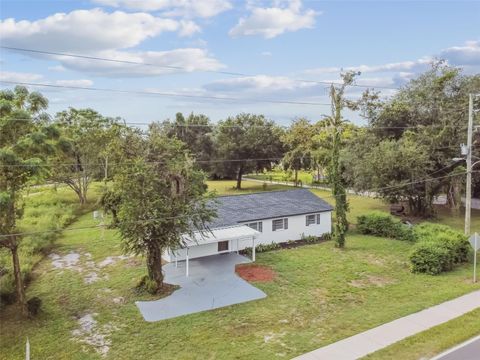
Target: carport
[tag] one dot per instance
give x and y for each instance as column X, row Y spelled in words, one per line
column 229, row 237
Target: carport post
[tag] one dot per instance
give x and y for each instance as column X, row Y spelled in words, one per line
column 187, row 262
column 253, row 248
column 237, row 246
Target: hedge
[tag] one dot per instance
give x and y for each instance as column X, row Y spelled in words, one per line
column 378, row 223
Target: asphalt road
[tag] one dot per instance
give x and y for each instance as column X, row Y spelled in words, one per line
column 468, row 351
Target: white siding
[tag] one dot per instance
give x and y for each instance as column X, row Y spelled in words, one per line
column 296, row 227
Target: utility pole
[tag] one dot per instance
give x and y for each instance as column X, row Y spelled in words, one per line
column 468, row 195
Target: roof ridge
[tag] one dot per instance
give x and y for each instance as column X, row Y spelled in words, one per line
column 264, row 192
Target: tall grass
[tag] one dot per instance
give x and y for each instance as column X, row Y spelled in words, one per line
column 45, row 209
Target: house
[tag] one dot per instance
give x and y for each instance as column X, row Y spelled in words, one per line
column 262, row 218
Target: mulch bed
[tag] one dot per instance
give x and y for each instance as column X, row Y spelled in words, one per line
column 255, row 273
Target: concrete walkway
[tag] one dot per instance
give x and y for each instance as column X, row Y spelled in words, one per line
column 377, row 338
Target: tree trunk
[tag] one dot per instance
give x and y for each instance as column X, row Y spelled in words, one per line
column 154, row 265
column 21, row 298
column 239, row 177
column 296, row 177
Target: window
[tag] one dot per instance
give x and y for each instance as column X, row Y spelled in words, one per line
column 256, row 226
column 312, row 219
column 280, row 224
column 222, row 246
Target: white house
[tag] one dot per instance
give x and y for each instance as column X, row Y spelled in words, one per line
column 249, row 220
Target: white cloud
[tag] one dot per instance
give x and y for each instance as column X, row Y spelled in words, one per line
column 97, row 33
column 87, row 31
column 160, row 62
column 258, row 83
column 266, row 53
column 270, row 22
column 19, row 77
column 79, row 82
column 467, row 54
column 389, row 67
column 57, row 68
column 184, row 8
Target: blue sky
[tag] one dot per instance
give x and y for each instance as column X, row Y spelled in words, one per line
column 275, row 42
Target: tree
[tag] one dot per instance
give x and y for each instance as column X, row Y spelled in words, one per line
column 335, row 174
column 162, row 197
column 429, row 113
column 25, row 142
column 244, row 137
column 87, row 139
column 196, row 131
column 300, row 147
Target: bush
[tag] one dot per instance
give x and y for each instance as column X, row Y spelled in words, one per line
column 439, row 249
column 310, row 239
column 262, row 248
column 34, row 305
column 430, row 258
column 381, row 224
column 148, row 285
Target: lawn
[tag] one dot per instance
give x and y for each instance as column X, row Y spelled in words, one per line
column 320, row 295
column 227, row 187
column 433, row 341
column 275, row 175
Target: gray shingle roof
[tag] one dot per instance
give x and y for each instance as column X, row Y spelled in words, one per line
column 235, row 209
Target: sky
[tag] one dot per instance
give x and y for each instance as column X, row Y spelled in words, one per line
column 264, row 57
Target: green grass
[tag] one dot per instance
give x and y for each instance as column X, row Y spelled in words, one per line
column 433, row 341
column 227, row 187
column 321, row 295
column 276, row 175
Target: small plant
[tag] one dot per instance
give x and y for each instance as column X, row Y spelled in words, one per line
column 34, row 305
column 147, row 285
column 264, row 186
column 261, row 248
column 309, row 239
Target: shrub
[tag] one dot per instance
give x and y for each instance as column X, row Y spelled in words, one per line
column 262, row 248
column 430, row 258
column 148, row 285
column 381, row 224
column 439, row 249
column 34, row 305
column 310, row 239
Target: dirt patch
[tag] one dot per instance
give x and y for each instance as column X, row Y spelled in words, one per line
column 372, row 280
column 259, row 273
column 92, row 335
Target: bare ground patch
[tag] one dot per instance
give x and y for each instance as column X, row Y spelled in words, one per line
column 372, row 280
column 258, row 273
column 83, row 263
column 92, row 335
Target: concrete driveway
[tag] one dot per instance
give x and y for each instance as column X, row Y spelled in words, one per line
column 212, row 284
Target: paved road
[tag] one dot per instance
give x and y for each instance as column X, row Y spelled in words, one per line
column 469, row 350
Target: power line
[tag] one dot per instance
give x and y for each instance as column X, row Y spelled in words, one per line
column 172, row 67
column 133, row 163
column 181, row 217
column 164, row 94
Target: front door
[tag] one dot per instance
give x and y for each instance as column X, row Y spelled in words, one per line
column 222, row 246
